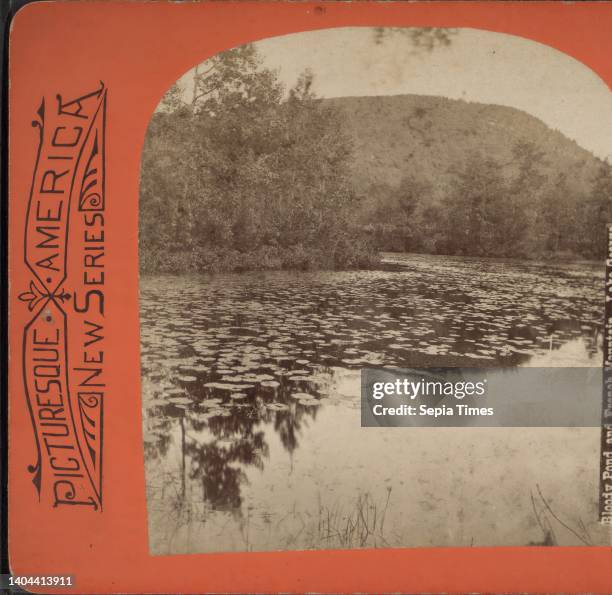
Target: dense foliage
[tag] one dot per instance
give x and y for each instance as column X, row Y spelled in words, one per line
column 491, row 212
column 247, row 178
column 243, row 175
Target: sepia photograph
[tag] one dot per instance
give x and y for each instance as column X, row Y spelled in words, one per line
column 319, row 203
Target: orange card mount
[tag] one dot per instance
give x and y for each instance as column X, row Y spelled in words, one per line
column 85, row 80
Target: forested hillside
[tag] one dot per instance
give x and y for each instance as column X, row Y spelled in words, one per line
column 247, row 176
column 447, row 176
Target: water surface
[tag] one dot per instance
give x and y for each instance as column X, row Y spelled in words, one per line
column 250, row 386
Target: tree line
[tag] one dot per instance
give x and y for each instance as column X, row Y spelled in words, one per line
column 243, row 175
column 494, row 209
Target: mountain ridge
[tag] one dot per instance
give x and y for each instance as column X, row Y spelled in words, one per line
column 425, row 135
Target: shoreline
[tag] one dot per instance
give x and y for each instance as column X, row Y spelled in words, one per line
column 388, row 261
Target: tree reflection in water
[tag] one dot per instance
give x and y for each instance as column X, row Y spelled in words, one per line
column 217, row 446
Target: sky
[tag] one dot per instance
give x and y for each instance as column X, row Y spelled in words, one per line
column 478, row 66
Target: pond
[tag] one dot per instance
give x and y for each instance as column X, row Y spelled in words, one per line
column 251, row 408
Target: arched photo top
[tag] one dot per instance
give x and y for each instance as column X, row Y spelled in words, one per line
column 321, row 203
column 375, row 127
